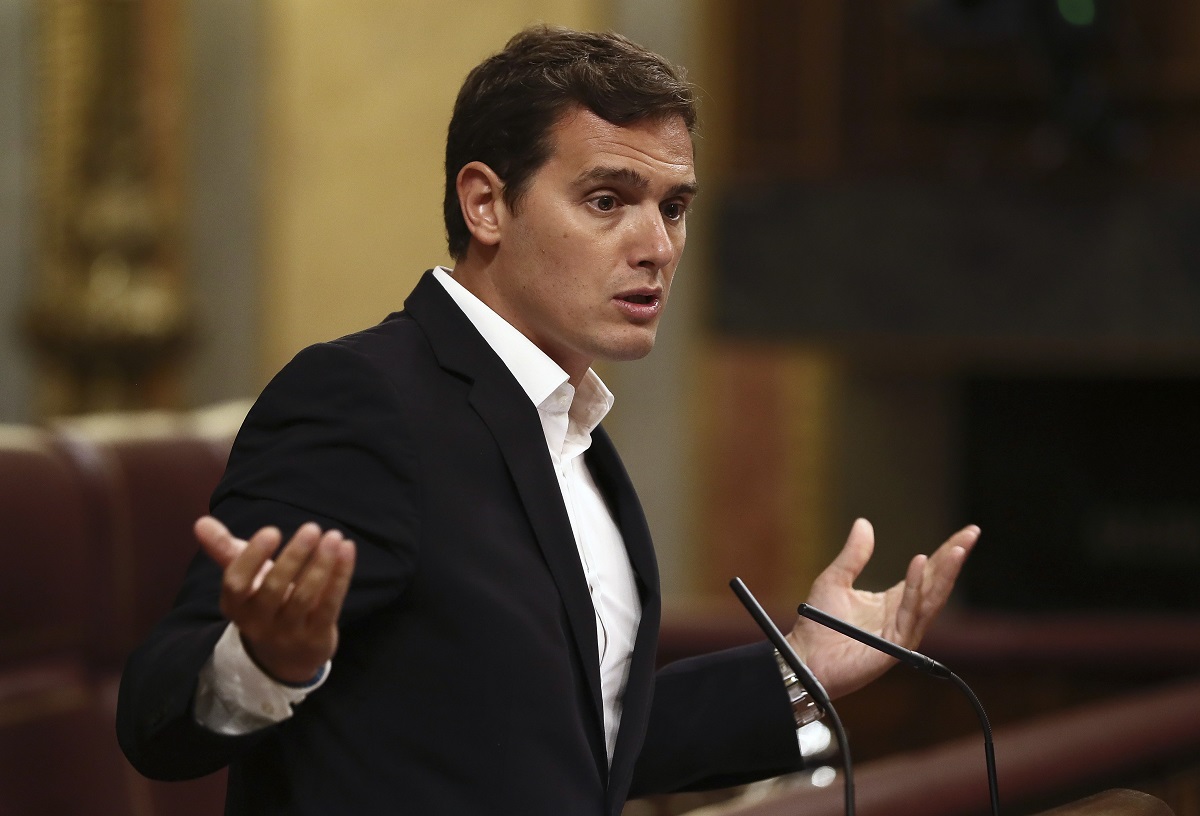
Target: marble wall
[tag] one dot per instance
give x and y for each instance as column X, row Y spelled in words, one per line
column 357, row 96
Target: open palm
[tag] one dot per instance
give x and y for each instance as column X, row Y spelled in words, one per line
column 900, row 614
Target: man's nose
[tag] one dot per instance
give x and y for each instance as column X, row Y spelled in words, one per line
column 655, row 244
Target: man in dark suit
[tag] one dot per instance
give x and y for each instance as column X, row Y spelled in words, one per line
column 460, row 530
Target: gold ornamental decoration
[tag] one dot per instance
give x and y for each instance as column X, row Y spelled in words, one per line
column 110, row 320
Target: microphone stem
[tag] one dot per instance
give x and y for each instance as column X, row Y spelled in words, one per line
column 839, row 732
column 922, row 663
column 847, row 765
column 807, row 679
column 989, row 750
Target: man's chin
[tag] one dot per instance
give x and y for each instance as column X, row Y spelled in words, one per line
column 628, row 352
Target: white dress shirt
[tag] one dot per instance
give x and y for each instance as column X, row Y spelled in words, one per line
column 235, row 697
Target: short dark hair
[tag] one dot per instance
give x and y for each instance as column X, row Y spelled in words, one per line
column 509, row 103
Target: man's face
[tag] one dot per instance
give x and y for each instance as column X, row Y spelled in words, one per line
column 586, row 261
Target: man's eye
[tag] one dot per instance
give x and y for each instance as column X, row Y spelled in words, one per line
column 606, row 203
column 674, row 211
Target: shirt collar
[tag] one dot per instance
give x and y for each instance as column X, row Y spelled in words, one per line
column 538, row 375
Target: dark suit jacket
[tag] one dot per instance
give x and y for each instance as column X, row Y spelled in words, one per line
column 467, row 678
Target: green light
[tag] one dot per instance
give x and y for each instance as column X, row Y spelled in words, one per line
column 1078, row 12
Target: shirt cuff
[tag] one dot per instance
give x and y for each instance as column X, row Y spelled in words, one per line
column 234, row 696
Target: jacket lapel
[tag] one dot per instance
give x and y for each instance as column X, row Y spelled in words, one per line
column 505, row 408
column 614, row 483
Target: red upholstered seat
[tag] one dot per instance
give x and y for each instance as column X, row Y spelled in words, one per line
column 58, row 751
column 147, row 477
column 47, row 550
column 99, row 512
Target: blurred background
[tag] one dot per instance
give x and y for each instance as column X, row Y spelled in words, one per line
column 945, row 267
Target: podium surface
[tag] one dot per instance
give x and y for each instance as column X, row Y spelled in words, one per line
column 1114, row 803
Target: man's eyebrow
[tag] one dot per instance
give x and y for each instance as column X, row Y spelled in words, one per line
column 630, row 178
column 619, row 175
column 687, row 188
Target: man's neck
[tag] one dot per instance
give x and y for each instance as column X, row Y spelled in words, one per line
column 476, row 272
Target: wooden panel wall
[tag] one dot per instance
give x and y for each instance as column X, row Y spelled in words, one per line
column 841, row 92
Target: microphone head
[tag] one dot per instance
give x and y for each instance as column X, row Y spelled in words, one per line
column 907, row 656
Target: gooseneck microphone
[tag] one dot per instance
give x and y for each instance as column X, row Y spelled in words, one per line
column 922, row 663
column 806, row 678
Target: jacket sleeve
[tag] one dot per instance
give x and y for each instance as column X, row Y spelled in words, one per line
column 325, row 442
column 718, row 720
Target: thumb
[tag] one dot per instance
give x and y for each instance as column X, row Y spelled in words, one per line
column 855, row 554
column 217, row 541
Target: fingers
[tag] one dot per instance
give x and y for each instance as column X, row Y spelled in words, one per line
column 329, row 607
column 244, row 573
column 277, row 583
column 963, row 540
column 947, row 562
column 310, row 575
column 316, row 595
column 929, row 582
column 907, row 613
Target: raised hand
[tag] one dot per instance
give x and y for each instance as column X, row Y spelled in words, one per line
column 900, row 614
column 285, row 608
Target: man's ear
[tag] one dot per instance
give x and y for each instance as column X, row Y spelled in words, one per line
column 480, row 197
